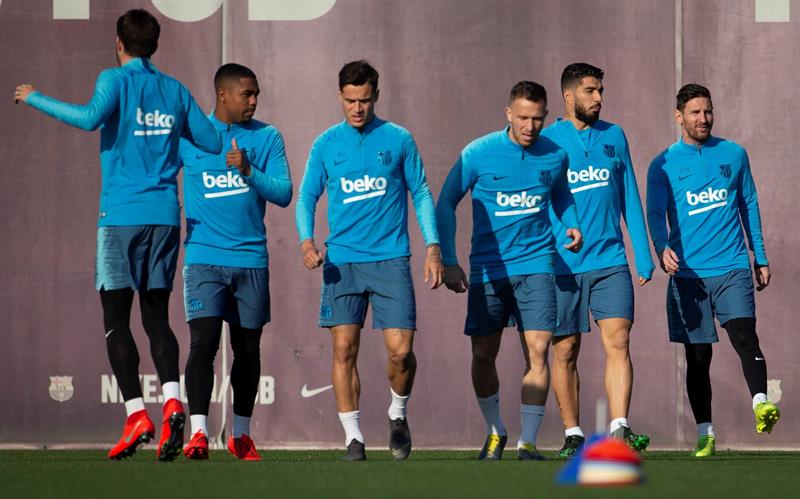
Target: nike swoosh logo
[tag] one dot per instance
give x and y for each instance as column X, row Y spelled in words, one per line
column 683, row 177
column 499, row 177
column 129, row 437
column 305, row 392
column 339, row 161
column 759, row 358
column 109, row 333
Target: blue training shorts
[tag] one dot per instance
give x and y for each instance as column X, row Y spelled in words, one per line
column 607, row 293
column 527, row 301
column 692, row 303
column 136, row 257
column 239, row 295
column 348, row 288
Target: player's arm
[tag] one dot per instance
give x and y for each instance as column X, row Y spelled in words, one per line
column 198, row 129
column 657, row 199
column 89, row 116
column 633, row 215
column 414, row 173
column 458, row 182
column 751, row 220
column 311, row 188
column 271, row 181
column 564, row 209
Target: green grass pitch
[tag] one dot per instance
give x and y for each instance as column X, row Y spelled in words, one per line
column 436, row 474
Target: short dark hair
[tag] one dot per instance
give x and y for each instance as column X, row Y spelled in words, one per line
column 232, row 71
column 689, row 92
column 529, row 90
column 576, row 72
column 138, row 30
column 358, row 73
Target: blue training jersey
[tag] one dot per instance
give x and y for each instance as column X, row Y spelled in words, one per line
column 603, row 183
column 512, row 188
column 707, row 194
column 143, row 114
column 366, row 174
column 224, row 210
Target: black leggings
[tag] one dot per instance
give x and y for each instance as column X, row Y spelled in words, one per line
column 122, row 352
column 245, row 371
column 742, row 333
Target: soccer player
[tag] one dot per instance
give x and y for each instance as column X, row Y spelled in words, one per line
column 514, row 176
column 597, row 279
column 367, row 164
column 225, row 274
column 143, row 114
column 703, row 187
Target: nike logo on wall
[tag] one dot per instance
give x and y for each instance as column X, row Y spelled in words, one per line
column 305, row 392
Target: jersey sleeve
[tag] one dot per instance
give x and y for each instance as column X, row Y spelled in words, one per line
column 750, row 214
column 562, row 201
column 102, row 105
column 311, row 188
column 272, row 181
column 460, row 180
column 417, row 184
column 634, row 217
column 657, row 199
column 198, row 129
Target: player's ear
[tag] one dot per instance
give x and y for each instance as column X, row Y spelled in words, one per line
column 678, row 117
column 508, row 113
column 375, row 95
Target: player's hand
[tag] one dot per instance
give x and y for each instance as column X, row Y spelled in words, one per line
column 238, row 158
column 312, row 257
column 762, row 277
column 455, row 279
column 577, row 240
column 643, row 280
column 22, row 92
column 434, row 270
column 668, row 260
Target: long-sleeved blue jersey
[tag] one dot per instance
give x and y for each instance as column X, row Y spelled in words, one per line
column 143, row 114
column 707, row 194
column 224, row 210
column 603, row 183
column 512, row 188
column 367, row 174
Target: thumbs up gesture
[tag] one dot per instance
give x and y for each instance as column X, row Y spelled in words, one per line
column 238, row 158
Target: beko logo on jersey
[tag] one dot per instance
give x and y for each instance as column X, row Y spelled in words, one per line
column 157, row 123
column 717, row 198
column 372, row 187
column 233, row 183
column 528, row 203
column 598, row 176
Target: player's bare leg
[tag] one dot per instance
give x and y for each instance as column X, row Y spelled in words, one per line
column 400, row 369
column 347, row 386
column 565, row 378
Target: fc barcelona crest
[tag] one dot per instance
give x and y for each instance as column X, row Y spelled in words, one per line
column 385, row 158
column 725, row 170
column 608, row 149
column 545, row 178
column 61, row 388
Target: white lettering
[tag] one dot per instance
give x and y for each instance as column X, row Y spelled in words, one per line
column 709, row 195
column 591, row 174
column 521, row 200
column 266, row 390
column 109, row 393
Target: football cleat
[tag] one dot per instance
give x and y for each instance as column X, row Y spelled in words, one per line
column 634, row 441
column 493, row 448
column 572, row 444
column 197, row 448
column 171, row 441
column 528, row 452
column 243, row 448
column 138, row 429
column 706, row 447
column 767, row 414
column 399, row 438
column 355, row 451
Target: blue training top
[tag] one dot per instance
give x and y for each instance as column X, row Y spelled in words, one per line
column 704, row 191
column 225, row 211
column 143, row 114
column 366, row 174
column 512, row 188
column 602, row 180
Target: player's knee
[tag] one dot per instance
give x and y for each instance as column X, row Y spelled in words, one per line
column 565, row 352
column 403, row 358
column 483, row 356
column 345, row 353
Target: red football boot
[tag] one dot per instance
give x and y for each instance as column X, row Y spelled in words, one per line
column 243, row 448
column 171, row 441
column 139, row 429
column 197, row 448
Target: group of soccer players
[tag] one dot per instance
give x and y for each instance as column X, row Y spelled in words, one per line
column 547, row 245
